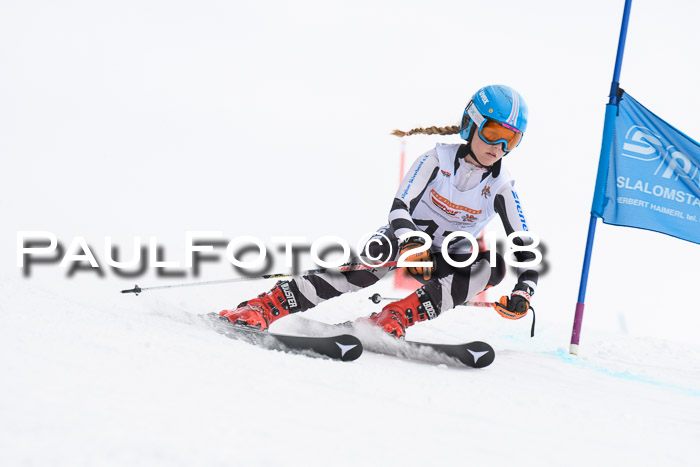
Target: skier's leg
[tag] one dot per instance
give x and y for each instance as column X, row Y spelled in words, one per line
column 307, row 291
column 448, row 287
column 314, row 289
column 455, row 286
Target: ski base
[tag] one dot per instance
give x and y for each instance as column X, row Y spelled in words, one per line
column 342, row 347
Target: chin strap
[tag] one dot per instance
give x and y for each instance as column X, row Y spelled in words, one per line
column 465, row 152
column 495, row 168
column 474, row 160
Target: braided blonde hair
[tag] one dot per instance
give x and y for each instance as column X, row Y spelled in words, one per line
column 431, row 130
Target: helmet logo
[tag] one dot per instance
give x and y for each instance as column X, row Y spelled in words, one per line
column 484, row 99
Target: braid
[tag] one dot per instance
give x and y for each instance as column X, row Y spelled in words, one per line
column 431, row 130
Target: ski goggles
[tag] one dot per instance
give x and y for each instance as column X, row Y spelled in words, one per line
column 493, row 132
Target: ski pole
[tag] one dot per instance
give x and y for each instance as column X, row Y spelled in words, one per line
column 347, row 267
column 376, row 298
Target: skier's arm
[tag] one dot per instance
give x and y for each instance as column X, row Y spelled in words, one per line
column 414, row 184
column 510, row 211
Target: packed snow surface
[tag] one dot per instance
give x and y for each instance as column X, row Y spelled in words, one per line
column 140, row 381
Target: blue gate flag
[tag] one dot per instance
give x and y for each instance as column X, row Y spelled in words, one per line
column 653, row 177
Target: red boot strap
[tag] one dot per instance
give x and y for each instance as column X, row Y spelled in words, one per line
column 273, row 309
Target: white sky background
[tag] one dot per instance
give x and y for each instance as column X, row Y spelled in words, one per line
column 273, row 118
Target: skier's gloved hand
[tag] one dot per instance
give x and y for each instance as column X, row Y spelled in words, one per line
column 515, row 306
column 423, row 256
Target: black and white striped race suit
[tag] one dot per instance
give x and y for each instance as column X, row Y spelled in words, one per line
column 440, row 194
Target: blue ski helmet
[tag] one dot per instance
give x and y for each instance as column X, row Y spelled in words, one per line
column 499, row 103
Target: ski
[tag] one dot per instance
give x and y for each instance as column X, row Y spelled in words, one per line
column 342, row 347
column 475, row 354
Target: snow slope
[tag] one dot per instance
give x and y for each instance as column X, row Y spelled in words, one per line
column 137, row 381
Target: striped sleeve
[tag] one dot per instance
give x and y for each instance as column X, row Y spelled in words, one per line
column 422, row 172
column 507, row 205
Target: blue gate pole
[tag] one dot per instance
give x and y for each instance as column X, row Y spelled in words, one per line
column 601, row 178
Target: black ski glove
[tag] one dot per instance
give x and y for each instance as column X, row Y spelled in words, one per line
column 515, row 306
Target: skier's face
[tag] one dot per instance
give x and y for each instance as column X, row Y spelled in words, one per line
column 487, row 154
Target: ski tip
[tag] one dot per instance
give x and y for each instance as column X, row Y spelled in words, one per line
column 349, row 347
column 479, row 354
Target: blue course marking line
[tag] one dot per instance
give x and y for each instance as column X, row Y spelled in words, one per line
column 566, row 357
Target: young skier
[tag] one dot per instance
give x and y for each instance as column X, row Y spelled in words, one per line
column 453, row 187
